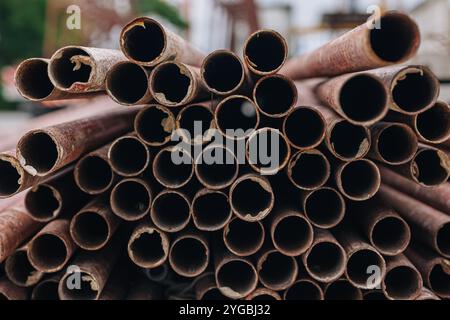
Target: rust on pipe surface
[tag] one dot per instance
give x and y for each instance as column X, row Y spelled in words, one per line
column 189, row 254
column 363, row 48
column 44, row 151
column 94, row 226
column 393, row 143
column 402, row 281
column 47, row 289
column 360, row 98
column 427, row 295
column 211, row 210
column 173, row 167
column 325, row 260
column 9, row 291
column 127, row 84
column 131, row 199
column 129, row 156
column 147, row 42
column 170, row 211
column 154, row 125
column 252, row 198
column 428, row 224
column 81, row 69
column 275, row 96
column 190, row 118
column 309, row 170
column 304, row 128
column 243, row 238
column 93, row 173
column 148, row 246
column 358, row 180
column 51, row 249
column 263, row 294
column 291, row 233
column 342, row 290
column 174, row 84
column 265, row 52
column 276, row 271
column 304, row 289
column 19, row 270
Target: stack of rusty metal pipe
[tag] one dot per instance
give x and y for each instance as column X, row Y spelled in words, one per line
column 333, row 183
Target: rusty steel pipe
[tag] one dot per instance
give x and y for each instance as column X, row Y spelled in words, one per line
column 170, row 211
column 173, row 167
column 402, row 281
column 325, row 207
column 304, row 128
column 304, row 289
column 80, row 69
column 44, row 151
column 189, row 254
column 127, row 84
column 131, row 199
column 427, row 295
column 154, row 125
column 211, row 210
column 263, row 294
column 206, row 289
column 47, row 289
column 433, row 125
column 129, row 156
column 276, row 271
column 148, row 247
column 393, row 143
column 243, row 195
column 19, row 270
column 275, row 96
column 243, row 238
column 395, row 41
column 147, row 42
column 325, row 260
column 9, row 291
column 189, row 120
column 309, row 170
column 265, row 52
column 342, row 290
column 428, row 224
column 93, row 173
column 94, row 226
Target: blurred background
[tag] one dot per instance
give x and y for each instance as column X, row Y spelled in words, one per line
column 36, row 28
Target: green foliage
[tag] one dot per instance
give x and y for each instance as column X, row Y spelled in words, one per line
column 163, row 9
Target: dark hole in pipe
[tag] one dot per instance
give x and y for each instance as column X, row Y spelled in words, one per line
column 211, row 210
column 33, row 80
column 170, row 210
column 237, row 275
column 360, row 179
column 391, row 235
column 375, row 295
column 19, row 268
column 325, row 208
column 237, row 114
column 222, row 171
column 88, row 289
column 266, row 51
column 9, row 183
column 42, row 203
column 192, row 118
column 395, row 39
column 402, row 282
column 304, row 128
column 363, row 98
column 325, row 260
column 145, row 43
column 264, row 297
column 358, row 264
column 39, row 151
column 223, row 72
column 414, row 92
column 342, row 290
column 310, row 170
column 277, row 270
column 189, row 255
column 3, row 297
column 268, row 150
column 171, row 173
column 129, row 156
column 131, row 199
column 48, row 252
column 46, row 291
column 244, row 237
column 66, row 73
column 275, row 95
column 434, row 124
column 304, row 290
column 171, row 83
column 128, row 83
column 95, row 174
column 91, row 230
column 293, row 234
column 147, row 248
column 443, row 239
column 250, row 198
column 214, row 294
column 349, row 141
column 151, row 126
column 397, row 144
column 440, row 281
column 430, row 170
